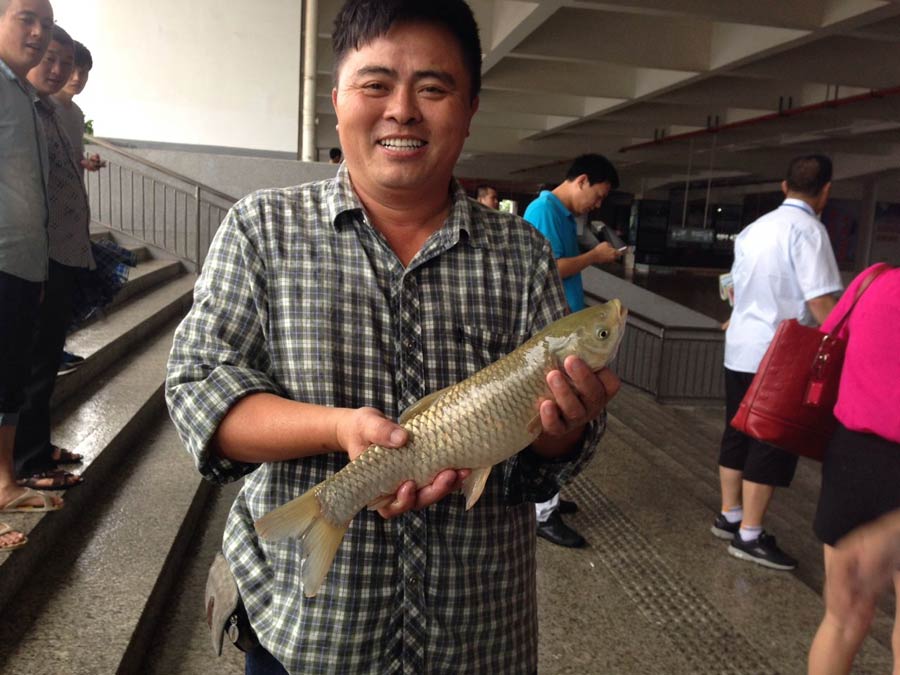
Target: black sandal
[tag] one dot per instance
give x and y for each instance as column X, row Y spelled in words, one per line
column 65, row 456
column 59, row 480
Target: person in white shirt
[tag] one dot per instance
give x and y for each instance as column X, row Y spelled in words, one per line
column 784, row 268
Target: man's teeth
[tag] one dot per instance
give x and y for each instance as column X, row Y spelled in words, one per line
column 402, row 143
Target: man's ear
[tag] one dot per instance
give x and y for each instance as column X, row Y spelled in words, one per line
column 784, row 187
column 334, row 99
column 582, row 181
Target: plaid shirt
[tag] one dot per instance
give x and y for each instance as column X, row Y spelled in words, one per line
column 301, row 297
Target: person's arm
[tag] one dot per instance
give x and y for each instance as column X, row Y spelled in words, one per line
column 601, row 254
column 267, row 428
column 821, row 307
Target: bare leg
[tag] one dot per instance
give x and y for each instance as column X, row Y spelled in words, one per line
column 895, row 637
column 839, row 637
column 730, row 480
column 756, row 501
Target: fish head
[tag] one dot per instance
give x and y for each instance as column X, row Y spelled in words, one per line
column 593, row 334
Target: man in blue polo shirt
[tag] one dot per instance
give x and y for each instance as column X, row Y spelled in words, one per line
column 589, row 180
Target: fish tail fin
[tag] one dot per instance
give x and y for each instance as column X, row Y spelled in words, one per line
column 321, row 544
column 302, row 518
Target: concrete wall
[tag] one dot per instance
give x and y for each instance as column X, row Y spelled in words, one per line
column 236, row 175
column 204, row 72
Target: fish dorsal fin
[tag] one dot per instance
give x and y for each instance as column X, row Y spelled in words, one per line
column 473, row 485
column 422, row 404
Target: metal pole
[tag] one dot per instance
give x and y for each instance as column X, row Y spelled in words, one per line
column 712, row 161
column 309, row 80
column 197, row 222
column 687, row 183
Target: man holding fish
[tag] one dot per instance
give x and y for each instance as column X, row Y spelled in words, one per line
column 326, row 310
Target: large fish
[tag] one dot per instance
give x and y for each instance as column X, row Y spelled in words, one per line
column 473, row 424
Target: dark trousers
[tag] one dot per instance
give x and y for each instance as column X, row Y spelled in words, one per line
column 19, row 303
column 261, row 662
column 33, row 449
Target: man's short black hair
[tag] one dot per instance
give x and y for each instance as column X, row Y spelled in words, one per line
column 598, row 170
column 83, row 58
column 482, row 190
column 335, row 153
column 361, row 21
column 62, row 37
column 807, row 175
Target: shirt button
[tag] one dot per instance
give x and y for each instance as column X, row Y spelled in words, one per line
column 412, row 581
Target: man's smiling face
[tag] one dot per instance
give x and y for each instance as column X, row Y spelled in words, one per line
column 404, row 107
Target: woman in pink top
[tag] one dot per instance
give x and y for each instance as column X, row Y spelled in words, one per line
column 861, row 469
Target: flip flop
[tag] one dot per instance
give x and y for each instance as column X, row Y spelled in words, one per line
column 59, row 480
column 66, row 456
column 6, row 529
column 17, row 505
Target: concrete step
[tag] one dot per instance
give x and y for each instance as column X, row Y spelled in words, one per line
column 140, row 251
column 148, row 274
column 113, row 337
column 182, row 636
column 95, row 596
column 110, row 416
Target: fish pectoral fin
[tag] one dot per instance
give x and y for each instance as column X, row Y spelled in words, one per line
column 473, row 485
column 422, row 404
column 534, row 426
column 380, row 502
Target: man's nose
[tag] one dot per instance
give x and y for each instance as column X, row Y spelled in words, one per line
column 403, row 106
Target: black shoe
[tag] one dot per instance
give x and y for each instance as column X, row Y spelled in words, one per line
column 556, row 531
column 723, row 529
column 762, row 551
column 69, row 362
column 566, row 507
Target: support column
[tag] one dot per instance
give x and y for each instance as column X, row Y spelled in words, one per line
column 310, row 65
column 865, row 238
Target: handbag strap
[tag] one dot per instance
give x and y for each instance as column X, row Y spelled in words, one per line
column 859, row 292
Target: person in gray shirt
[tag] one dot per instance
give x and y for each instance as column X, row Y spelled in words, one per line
column 36, row 458
column 25, row 31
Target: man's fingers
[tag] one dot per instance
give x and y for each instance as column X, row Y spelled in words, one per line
column 383, row 431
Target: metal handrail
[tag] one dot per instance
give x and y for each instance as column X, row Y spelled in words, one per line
column 155, row 205
column 93, row 140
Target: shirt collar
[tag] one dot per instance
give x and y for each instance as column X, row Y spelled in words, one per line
column 24, row 85
column 343, row 201
column 799, row 204
column 556, row 202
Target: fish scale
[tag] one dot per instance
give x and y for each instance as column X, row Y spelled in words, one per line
column 474, row 424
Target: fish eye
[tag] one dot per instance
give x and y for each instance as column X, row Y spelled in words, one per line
column 602, row 333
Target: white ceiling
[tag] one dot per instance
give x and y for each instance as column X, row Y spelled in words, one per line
column 563, row 77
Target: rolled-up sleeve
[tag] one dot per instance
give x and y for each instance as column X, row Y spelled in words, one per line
column 220, row 353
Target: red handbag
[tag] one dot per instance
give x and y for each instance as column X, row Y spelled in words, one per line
column 790, row 403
